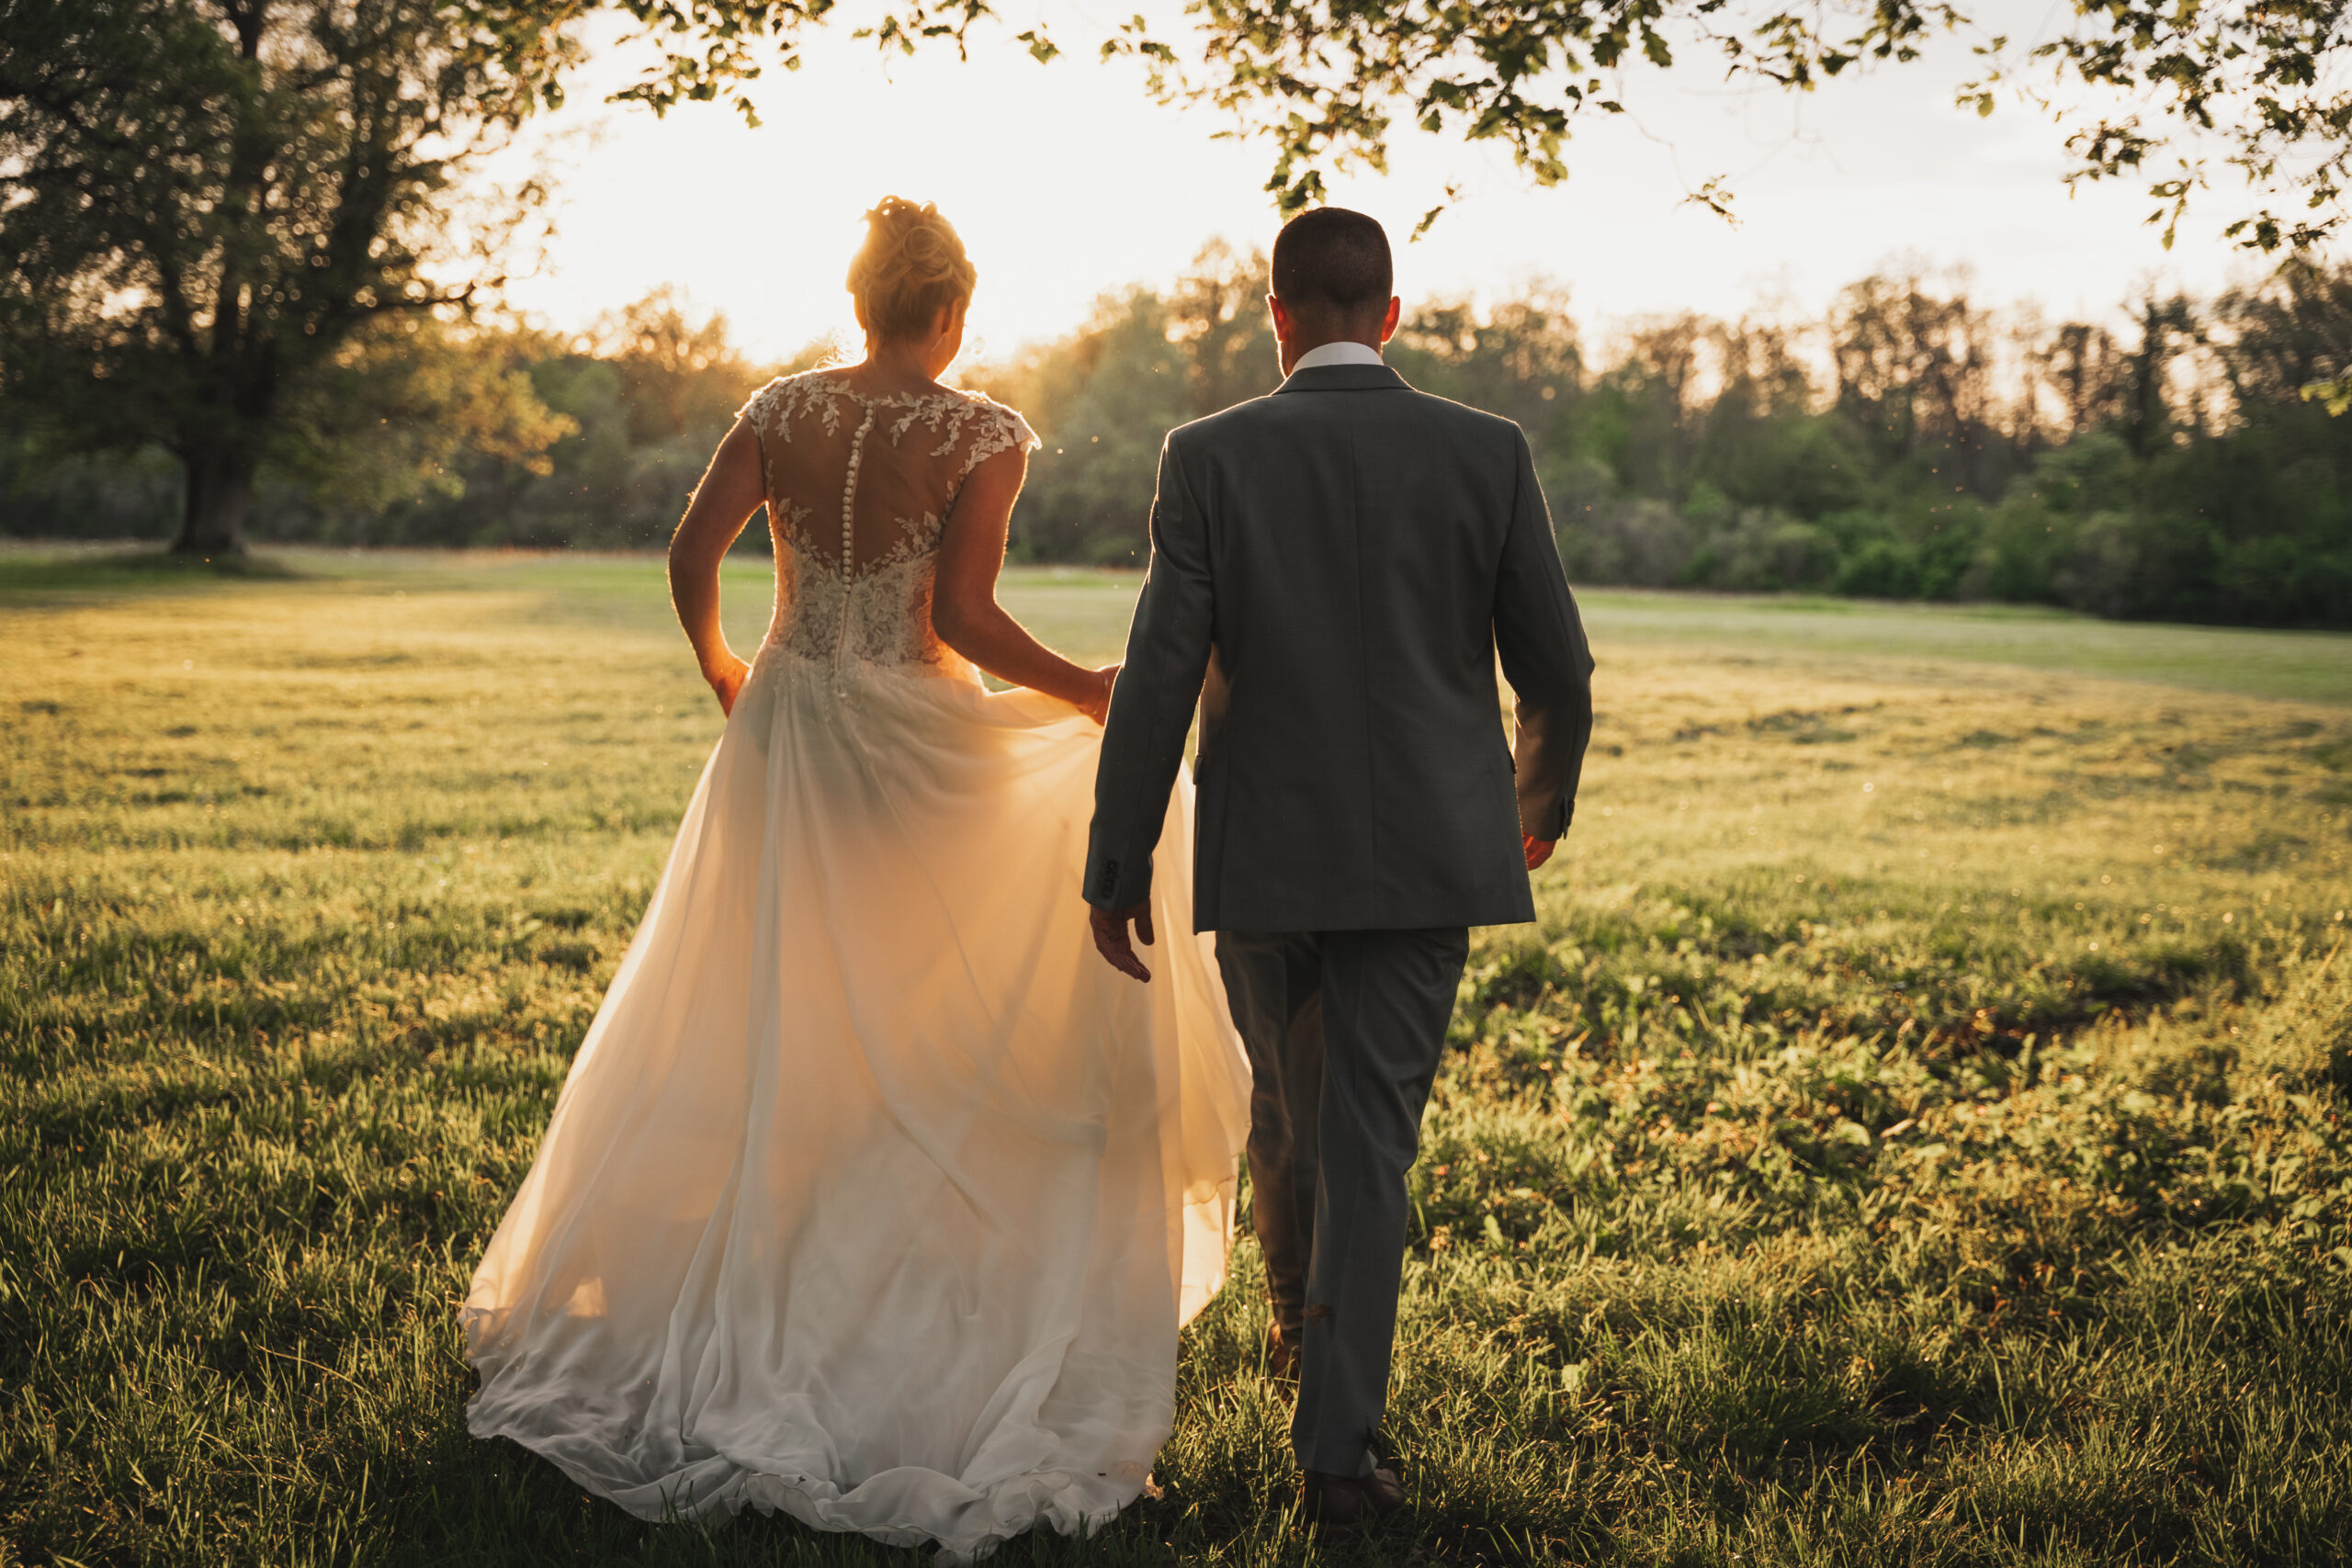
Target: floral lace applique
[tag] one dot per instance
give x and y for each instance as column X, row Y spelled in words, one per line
column 774, row 407
column 1002, row 433
column 787, row 524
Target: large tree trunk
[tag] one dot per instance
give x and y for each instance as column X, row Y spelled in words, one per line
column 220, row 488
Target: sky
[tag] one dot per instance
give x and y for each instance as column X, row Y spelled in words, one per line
column 1067, row 183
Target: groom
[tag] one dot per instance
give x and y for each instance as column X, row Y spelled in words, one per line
column 1340, row 562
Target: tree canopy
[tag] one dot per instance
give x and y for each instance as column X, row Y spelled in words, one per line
column 2160, row 90
column 209, row 209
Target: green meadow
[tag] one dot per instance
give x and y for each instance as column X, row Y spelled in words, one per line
column 1914, row 1133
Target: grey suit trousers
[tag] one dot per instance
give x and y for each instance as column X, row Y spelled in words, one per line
column 1344, row 1031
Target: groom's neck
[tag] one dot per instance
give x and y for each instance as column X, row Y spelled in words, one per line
column 1300, row 345
column 1301, row 332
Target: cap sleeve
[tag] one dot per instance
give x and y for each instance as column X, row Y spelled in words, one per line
column 999, row 430
column 764, row 409
column 1023, row 436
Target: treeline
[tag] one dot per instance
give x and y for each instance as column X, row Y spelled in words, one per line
column 456, row 435
column 1910, row 444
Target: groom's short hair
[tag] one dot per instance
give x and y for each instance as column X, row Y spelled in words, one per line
column 1332, row 259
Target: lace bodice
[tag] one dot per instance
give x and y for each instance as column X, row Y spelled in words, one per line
column 859, row 490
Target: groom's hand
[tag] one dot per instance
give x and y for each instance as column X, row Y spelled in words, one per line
column 1110, row 937
column 1538, row 850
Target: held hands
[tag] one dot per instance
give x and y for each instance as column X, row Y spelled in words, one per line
column 1538, row 850
column 1096, row 704
column 725, row 676
column 1110, row 937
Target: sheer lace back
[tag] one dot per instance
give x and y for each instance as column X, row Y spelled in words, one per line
column 859, row 490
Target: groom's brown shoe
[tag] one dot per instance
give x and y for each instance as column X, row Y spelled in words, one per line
column 1281, row 1353
column 1343, row 1505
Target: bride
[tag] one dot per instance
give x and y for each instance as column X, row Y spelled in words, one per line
column 873, row 1195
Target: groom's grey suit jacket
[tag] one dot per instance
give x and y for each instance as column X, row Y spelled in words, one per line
column 1341, row 561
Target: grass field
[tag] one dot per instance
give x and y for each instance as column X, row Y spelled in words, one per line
column 1914, row 1135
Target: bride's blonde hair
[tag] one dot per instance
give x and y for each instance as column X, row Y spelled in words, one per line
column 912, row 264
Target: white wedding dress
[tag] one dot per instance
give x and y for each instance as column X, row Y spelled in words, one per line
column 874, row 1195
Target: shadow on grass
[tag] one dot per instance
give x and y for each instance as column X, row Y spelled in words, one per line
column 112, row 570
column 472, row 1503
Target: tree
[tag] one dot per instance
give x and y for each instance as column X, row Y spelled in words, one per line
column 1218, row 315
column 1914, row 372
column 206, row 204
column 389, row 416
column 677, row 375
column 2147, row 413
column 2084, row 367
column 1102, row 398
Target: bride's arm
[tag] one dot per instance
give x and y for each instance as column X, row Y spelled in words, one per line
column 732, row 488
column 964, row 610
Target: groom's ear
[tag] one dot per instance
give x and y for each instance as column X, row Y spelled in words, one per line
column 1388, row 322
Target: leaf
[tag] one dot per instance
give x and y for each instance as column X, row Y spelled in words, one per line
column 2334, row 393
column 1716, row 197
column 1453, row 193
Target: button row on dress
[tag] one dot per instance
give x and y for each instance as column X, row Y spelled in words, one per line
column 848, row 505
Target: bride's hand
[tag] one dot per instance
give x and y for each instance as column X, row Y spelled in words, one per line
column 727, row 679
column 1097, row 705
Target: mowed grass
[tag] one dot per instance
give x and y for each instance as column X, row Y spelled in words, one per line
column 1913, row 1135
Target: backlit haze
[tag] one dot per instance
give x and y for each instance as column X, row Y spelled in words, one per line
column 1068, row 182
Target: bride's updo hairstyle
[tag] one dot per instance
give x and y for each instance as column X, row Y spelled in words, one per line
column 912, row 264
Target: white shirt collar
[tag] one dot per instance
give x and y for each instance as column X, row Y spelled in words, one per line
column 1342, row 353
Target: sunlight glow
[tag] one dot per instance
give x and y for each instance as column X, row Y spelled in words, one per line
column 1067, row 182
